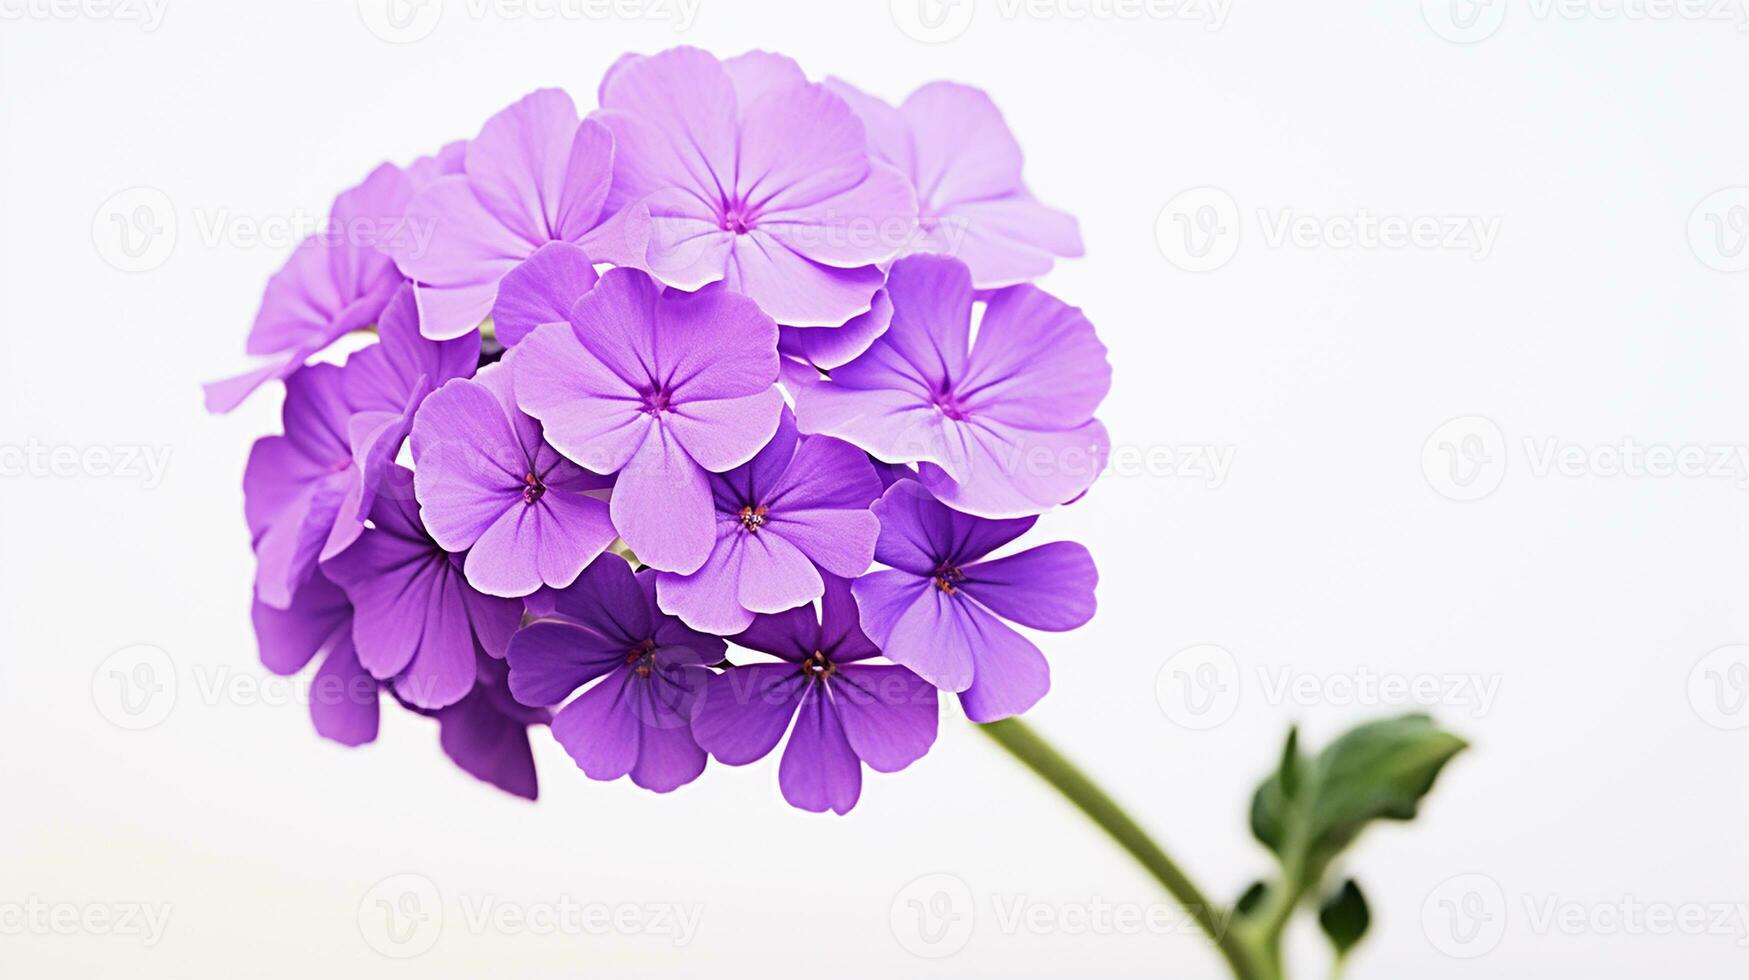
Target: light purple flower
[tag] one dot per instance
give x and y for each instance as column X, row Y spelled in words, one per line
column 344, row 698
column 964, row 164
column 662, row 388
column 847, row 713
column 489, row 484
column 647, row 670
column 417, row 619
column 337, row 281
column 1004, row 429
column 754, row 177
column 939, row 608
column 295, row 484
column 797, row 508
column 486, row 732
column 541, row 290
column 534, row 175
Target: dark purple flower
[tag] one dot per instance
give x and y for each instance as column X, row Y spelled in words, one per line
column 417, row 619
column 847, row 713
column 1002, row 429
column 647, row 670
column 489, row 484
column 939, row 608
column 798, row 508
column 344, row 698
column 486, row 732
column 662, row 388
column 754, row 177
column 952, row 143
column 534, row 175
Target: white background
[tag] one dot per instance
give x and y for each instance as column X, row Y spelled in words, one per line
column 1601, row 778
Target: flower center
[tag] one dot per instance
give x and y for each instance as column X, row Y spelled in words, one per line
column 817, row 667
column 639, row 657
column 655, row 402
column 736, row 222
column 753, row 518
column 948, row 404
column 532, row 488
column 948, row 578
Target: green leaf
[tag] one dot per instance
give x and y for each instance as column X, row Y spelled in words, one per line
column 1344, row 916
column 1252, row 898
column 1310, row 809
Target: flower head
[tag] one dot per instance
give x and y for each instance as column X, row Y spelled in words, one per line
column 647, row 669
column 1004, row 428
column 489, row 484
column 940, row 608
column 848, row 713
column 798, row 508
column 344, row 698
column 662, row 388
column 755, row 177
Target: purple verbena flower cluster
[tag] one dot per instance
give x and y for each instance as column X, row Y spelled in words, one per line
column 697, row 370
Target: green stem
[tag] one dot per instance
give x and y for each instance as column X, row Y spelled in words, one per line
column 1024, row 744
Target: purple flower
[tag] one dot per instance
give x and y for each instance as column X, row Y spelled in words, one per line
column 827, row 348
column 541, row 290
column 663, row 388
column 488, row 484
column 648, row 669
column 799, row 507
column 337, row 281
column 847, row 713
column 486, row 732
column 755, row 177
column 308, row 492
column 939, row 608
column 344, row 698
column 964, row 164
column 534, row 175
column 1005, row 429
column 417, row 619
